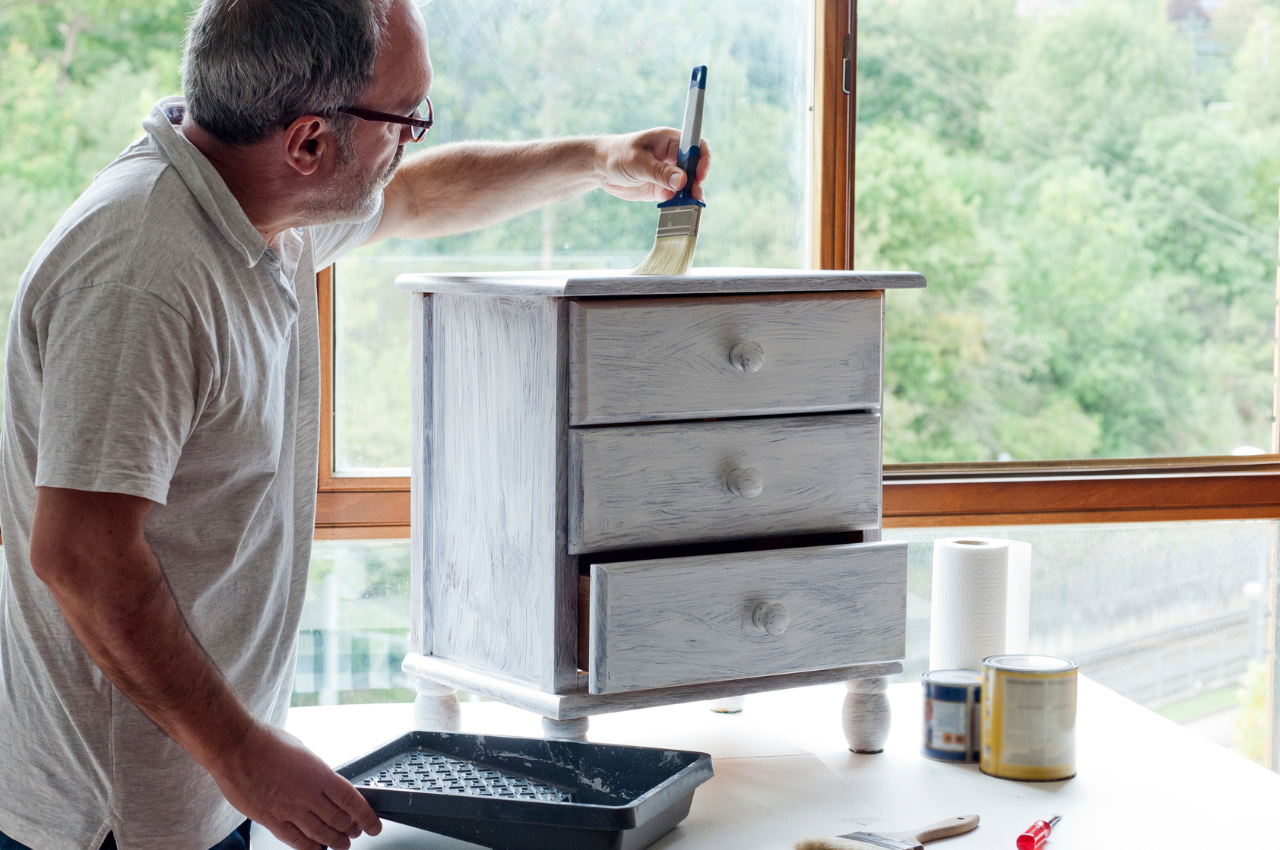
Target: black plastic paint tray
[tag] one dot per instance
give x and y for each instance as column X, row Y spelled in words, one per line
column 530, row 793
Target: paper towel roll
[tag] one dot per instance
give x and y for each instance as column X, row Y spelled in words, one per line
column 967, row 614
column 1017, row 620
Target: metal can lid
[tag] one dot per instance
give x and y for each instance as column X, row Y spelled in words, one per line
column 1029, row 663
column 952, row 677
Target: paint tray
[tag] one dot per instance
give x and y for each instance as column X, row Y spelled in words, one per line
column 530, row 793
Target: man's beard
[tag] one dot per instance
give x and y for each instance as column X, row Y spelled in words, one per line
column 353, row 195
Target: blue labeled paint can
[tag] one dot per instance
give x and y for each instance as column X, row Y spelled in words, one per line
column 952, row 717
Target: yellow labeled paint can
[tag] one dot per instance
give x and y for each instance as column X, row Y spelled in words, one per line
column 1028, row 718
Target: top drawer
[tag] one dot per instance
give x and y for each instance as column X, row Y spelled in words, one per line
column 650, row 359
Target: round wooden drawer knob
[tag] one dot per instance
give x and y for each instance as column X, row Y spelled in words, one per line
column 771, row 618
column 747, row 483
column 747, row 356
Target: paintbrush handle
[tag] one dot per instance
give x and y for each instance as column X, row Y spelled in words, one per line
column 941, row 829
column 690, row 139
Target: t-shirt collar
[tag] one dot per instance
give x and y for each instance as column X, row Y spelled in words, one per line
column 203, row 180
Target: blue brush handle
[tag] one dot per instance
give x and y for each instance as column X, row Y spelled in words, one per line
column 690, row 137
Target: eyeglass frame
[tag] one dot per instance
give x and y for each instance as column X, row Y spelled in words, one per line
column 423, row 124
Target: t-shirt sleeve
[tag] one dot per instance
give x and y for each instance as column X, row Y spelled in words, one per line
column 329, row 242
column 124, row 380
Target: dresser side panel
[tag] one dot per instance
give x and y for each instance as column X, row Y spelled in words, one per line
column 497, row 534
column 420, row 399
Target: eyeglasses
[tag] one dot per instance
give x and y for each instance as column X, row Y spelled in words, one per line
column 416, row 122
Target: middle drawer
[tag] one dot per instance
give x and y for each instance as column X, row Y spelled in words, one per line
column 654, row 485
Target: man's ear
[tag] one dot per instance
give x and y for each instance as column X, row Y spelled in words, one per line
column 306, row 143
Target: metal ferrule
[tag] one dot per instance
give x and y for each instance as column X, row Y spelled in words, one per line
column 679, row 221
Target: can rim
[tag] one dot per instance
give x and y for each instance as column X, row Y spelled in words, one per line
column 934, row 677
column 1027, row 663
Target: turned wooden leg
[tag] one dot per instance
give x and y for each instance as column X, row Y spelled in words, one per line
column 573, row 729
column 866, row 714
column 436, row 707
column 728, row 705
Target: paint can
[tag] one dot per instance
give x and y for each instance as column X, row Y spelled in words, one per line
column 952, row 700
column 1029, row 718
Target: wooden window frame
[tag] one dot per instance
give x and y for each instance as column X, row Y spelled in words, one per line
column 915, row 495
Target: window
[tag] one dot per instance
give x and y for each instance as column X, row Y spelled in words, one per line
column 1090, row 188
column 525, row 69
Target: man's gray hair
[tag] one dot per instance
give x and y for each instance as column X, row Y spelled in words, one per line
column 251, row 66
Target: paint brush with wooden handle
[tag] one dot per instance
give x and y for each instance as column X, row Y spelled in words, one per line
column 912, row 839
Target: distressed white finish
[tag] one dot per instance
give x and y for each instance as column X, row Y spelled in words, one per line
column 649, row 359
column 866, row 715
column 682, row 621
column 420, row 399
column 573, row 729
column 649, row 485
column 580, row 703
column 436, row 709
column 589, row 284
column 496, row 582
column 496, row 563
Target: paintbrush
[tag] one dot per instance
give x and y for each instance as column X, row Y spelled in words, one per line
column 679, row 217
column 912, row 839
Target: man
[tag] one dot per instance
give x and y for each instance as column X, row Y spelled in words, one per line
column 161, row 420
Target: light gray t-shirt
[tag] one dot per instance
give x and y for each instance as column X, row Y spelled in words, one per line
column 159, row 347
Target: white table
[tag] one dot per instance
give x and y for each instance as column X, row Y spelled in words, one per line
column 783, row 773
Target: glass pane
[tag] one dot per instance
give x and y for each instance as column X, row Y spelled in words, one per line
column 524, row 69
column 1171, row 615
column 1090, row 187
column 76, row 80
column 355, row 624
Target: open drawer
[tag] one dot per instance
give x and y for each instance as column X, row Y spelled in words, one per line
column 682, row 621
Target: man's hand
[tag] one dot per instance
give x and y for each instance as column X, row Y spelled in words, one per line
column 642, row 166
column 274, row 780
column 91, row 552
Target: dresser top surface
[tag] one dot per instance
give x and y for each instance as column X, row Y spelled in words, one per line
column 613, row 283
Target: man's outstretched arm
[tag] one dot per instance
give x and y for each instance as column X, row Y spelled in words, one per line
column 89, row 549
column 465, row 186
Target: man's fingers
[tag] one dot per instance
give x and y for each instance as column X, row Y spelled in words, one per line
column 332, row 814
column 291, row 835
column 347, row 798
column 318, row 830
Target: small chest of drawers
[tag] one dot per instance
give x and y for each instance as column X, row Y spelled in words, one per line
column 630, row 491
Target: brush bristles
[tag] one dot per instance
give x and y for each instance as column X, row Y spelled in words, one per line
column 671, row 255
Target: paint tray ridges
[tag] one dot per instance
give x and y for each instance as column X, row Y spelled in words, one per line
column 426, row 771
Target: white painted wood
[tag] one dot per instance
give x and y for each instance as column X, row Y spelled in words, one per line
column 682, row 621
column 420, row 380
column 653, row 359
column 729, row 705
column 497, row 560
column 866, row 715
column 650, row 485
column 580, row 703
column 436, row 709
column 573, row 729
column 708, row 281
column 772, row 618
column 747, row 356
column 747, row 483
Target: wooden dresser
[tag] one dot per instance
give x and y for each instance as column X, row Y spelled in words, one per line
column 631, row 491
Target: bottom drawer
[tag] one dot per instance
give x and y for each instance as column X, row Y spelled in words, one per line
column 684, row 621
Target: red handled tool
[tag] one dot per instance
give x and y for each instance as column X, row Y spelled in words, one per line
column 1037, row 834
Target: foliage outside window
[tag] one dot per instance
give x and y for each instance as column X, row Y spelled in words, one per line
column 1091, row 188
column 524, row 69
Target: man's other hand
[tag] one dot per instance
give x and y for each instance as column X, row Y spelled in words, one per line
column 642, row 166
column 274, row 780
